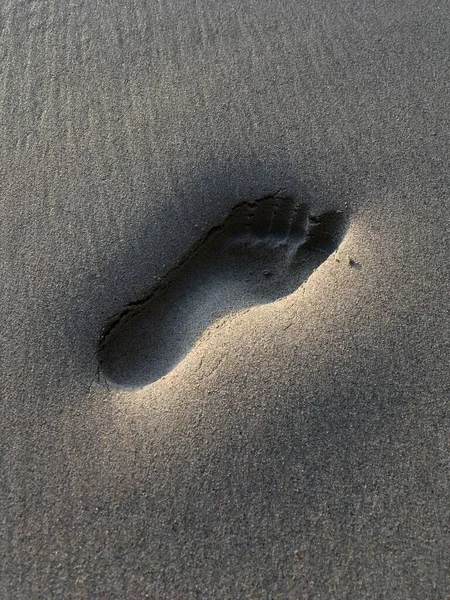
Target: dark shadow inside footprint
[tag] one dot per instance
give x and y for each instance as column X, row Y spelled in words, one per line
column 263, row 251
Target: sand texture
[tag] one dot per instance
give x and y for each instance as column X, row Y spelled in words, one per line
column 225, row 341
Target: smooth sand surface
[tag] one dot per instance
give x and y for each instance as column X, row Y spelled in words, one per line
column 301, row 449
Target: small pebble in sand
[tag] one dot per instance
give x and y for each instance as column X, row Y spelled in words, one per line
column 353, row 264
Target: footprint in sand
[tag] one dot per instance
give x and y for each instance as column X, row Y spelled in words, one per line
column 264, row 250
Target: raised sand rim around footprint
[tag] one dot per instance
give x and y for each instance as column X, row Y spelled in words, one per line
column 263, row 251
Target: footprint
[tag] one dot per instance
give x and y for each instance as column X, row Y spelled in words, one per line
column 264, row 250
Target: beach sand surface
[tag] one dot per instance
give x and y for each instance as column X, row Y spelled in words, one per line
column 298, row 448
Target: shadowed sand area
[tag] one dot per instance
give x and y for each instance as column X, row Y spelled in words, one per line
column 258, row 191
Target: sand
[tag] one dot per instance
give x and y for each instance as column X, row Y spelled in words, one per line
column 301, row 448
